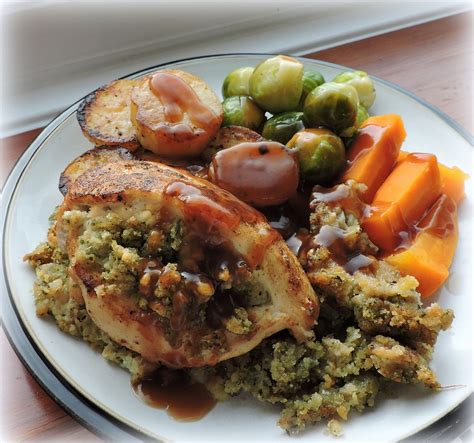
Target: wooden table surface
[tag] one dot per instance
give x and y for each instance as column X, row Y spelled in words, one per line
column 433, row 60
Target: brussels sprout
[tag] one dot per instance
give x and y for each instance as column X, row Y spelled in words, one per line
column 362, row 115
column 242, row 111
column 321, row 155
column 362, row 83
column 237, row 82
column 276, row 84
column 332, row 105
column 282, row 127
column 311, row 80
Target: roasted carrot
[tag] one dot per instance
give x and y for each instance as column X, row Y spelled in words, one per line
column 429, row 256
column 452, row 182
column 452, row 179
column 402, row 156
column 430, row 275
column 374, row 152
column 410, row 190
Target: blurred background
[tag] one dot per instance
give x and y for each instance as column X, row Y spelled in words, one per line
column 55, row 52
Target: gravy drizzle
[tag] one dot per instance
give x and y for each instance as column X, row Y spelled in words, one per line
column 259, row 173
column 217, row 208
column 175, row 392
column 179, row 98
column 367, row 137
column 334, row 238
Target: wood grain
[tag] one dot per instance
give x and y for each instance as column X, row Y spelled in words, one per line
column 432, row 60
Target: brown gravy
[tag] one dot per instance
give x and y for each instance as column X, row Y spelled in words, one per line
column 367, row 137
column 220, row 307
column 289, row 217
column 259, row 173
column 333, row 238
column 281, row 219
column 179, row 98
column 341, row 195
column 300, row 243
column 174, row 391
column 440, row 219
column 201, row 262
column 214, row 207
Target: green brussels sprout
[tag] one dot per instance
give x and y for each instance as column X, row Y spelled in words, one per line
column 321, row 155
column 362, row 83
column 311, row 80
column 362, row 115
column 276, row 84
column 282, row 127
column 237, row 82
column 242, row 111
column 332, row 105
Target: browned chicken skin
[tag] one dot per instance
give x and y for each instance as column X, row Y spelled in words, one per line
column 177, row 269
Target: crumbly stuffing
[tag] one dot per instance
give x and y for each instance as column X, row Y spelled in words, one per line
column 239, row 322
column 334, row 427
column 136, row 256
column 380, row 299
column 56, row 295
column 372, row 334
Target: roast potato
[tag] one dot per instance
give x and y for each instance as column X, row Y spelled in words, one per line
column 104, row 116
column 230, row 136
column 175, row 113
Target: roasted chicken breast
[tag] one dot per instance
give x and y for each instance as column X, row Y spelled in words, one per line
column 177, row 269
column 91, row 159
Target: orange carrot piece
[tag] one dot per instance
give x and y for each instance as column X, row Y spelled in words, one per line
column 452, row 179
column 430, row 255
column 429, row 274
column 402, row 156
column 411, row 188
column 374, row 152
column 452, row 182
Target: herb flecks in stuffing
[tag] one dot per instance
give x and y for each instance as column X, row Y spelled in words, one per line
column 372, row 334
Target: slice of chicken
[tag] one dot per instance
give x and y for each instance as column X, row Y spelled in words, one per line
column 91, row 159
column 157, row 194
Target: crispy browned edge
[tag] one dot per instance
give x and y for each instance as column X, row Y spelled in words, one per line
column 65, row 178
column 97, row 137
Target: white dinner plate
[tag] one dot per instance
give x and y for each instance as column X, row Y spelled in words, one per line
column 99, row 394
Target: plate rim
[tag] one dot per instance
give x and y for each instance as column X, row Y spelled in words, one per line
column 90, row 415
